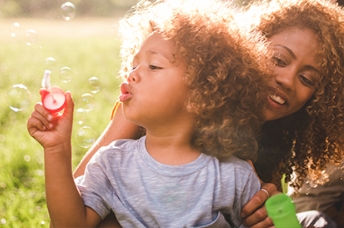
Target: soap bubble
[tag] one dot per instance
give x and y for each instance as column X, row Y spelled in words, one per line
column 15, row 29
column 86, row 102
column 30, row 37
column 68, row 11
column 80, row 116
column 85, row 137
column 27, row 158
column 18, row 97
column 65, row 74
column 50, row 63
column 94, row 84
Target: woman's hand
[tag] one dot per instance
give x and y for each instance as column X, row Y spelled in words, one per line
column 254, row 214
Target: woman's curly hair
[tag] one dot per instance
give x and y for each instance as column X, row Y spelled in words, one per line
column 312, row 137
column 226, row 72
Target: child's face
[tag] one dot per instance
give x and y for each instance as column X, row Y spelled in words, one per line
column 296, row 71
column 155, row 90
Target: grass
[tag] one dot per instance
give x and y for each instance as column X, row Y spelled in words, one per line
column 89, row 48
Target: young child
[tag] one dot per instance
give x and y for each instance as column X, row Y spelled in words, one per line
column 196, row 84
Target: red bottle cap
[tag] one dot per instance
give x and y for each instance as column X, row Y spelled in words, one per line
column 54, row 100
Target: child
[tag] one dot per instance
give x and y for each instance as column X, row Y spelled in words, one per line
column 197, row 85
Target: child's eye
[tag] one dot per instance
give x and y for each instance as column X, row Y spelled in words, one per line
column 152, row 67
column 278, row 61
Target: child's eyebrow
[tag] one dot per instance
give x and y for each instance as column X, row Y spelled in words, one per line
column 164, row 55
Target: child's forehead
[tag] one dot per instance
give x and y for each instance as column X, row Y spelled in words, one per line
column 157, row 44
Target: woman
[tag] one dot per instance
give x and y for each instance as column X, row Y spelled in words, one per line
column 309, row 136
column 304, row 114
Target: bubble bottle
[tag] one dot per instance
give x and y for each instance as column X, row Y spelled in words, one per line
column 53, row 98
column 282, row 211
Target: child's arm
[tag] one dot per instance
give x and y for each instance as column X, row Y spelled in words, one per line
column 65, row 205
column 118, row 128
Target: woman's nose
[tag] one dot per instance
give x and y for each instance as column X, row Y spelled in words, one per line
column 285, row 78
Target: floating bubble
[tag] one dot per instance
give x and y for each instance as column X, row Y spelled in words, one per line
column 2, row 221
column 30, row 37
column 94, row 84
column 68, row 11
column 15, row 29
column 65, row 74
column 80, row 116
column 27, row 158
column 86, row 102
column 50, row 63
column 18, row 97
column 85, row 137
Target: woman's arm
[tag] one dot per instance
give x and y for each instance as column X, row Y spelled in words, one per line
column 118, row 128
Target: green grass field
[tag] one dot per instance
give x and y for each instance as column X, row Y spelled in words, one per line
column 89, row 47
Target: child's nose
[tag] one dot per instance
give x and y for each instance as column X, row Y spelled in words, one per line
column 134, row 75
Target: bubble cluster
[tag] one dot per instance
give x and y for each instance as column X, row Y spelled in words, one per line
column 68, row 11
column 85, row 137
column 18, row 97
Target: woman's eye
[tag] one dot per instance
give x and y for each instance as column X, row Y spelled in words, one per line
column 306, row 81
column 278, row 61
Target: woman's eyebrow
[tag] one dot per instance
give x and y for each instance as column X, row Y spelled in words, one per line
column 287, row 49
column 292, row 54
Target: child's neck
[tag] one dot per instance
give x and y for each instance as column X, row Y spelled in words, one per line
column 171, row 149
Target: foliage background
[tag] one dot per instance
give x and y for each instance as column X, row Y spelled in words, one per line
column 49, row 8
column 87, row 46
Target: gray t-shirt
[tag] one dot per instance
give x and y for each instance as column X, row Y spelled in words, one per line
column 142, row 192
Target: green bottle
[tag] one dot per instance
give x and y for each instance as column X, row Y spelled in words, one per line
column 281, row 210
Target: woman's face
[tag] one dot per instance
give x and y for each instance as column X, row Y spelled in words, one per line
column 296, row 71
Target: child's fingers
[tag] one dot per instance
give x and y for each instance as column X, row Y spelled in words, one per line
column 42, row 116
column 40, row 109
column 42, row 122
column 34, row 124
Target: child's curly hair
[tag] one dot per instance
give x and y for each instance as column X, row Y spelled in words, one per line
column 226, row 70
column 305, row 141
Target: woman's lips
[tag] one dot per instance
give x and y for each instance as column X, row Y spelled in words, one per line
column 125, row 93
column 277, row 98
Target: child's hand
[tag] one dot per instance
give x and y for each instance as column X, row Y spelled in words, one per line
column 51, row 131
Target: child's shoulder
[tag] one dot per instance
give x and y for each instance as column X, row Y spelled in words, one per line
column 120, row 147
column 236, row 165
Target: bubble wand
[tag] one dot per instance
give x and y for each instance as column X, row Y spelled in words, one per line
column 53, row 98
column 46, row 83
